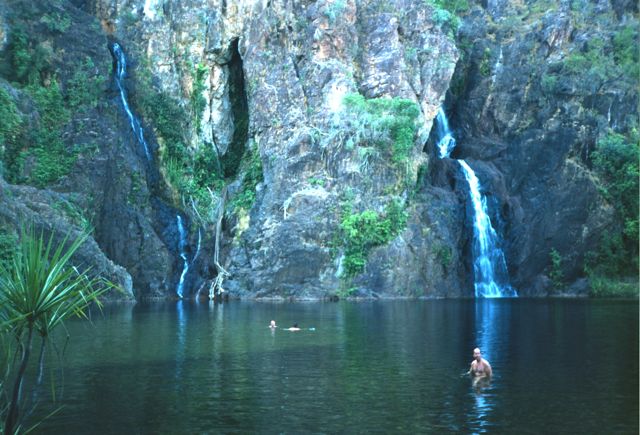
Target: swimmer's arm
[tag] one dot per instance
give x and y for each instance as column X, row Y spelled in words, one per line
column 472, row 367
column 489, row 372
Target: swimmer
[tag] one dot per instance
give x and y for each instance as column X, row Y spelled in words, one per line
column 272, row 325
column 480, row 367
column 295, row 327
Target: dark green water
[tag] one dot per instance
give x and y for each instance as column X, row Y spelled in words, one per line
column 560, row 366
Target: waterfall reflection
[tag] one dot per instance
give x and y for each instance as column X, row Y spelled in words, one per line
column 181, row 340
column 489, row 325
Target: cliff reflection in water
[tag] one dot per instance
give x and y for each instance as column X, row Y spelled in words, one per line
column 390, row 366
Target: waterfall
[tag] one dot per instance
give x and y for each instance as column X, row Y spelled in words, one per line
column 182, row 244
column 446, row 141
column 497, row 68
column 491, row 279
column 121, row 72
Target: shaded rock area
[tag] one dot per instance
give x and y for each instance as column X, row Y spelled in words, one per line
column 41, row 209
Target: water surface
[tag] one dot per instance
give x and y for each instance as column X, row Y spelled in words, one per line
column 560, row 366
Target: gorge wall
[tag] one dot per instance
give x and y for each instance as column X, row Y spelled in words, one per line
column 312, row 123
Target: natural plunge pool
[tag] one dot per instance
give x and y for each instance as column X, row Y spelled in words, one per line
column 560, row 366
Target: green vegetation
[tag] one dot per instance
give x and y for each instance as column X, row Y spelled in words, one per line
column 443, row 254
column 556, row 275
column 604, row 61
column 8, row 241
column 540, row 7
column 446, row 14
column 30, row 60
column 382, row 122
column 75, row 214
column 613, row 288
column 625, row 51
column 47, row 156
column 84, row 88
column 38, row 155
column 363, row 231
column 191, row 173
column 10, row 131
column 316, row 181
column 485, row 66
column 38, row 292
column 549, row 83
column 251, row 166
column 197, row 100
column 615, row 160
column 56, row 23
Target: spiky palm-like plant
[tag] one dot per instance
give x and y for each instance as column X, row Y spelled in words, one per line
column 38, row 291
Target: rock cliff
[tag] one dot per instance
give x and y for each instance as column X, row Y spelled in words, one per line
column 311, row 123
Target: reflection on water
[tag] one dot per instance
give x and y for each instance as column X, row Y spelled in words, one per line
column 483, row 405
column 181, row 341
column 492, row 329
column 391, row 367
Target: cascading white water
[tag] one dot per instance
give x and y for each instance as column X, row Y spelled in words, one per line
column 489, row 265
column 446, row 141
column 183, row 254
column 121, row 72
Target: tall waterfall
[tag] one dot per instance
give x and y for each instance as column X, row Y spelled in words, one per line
column 491, row 279
column 182, row 244
column 121, row 72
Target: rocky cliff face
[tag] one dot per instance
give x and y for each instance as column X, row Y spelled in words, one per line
column 295, row 62
column 316, row 116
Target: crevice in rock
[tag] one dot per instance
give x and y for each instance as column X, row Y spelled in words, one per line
column 240, row 112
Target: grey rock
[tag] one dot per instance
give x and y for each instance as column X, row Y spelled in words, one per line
column 43, row 210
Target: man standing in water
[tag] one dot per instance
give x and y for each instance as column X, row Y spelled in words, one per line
column 480, row 367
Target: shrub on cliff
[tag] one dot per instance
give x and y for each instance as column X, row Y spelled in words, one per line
column 388, row 123
column 615, row 161
column 445, row 14
column 363, row 231
column 10, row 130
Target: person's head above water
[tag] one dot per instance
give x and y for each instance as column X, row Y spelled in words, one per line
column 272, row 324
column 477, row 355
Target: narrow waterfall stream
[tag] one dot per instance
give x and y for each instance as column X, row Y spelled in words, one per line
column 491, row 278
column 182, row 244
column 160, row 208
column 121, row 73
